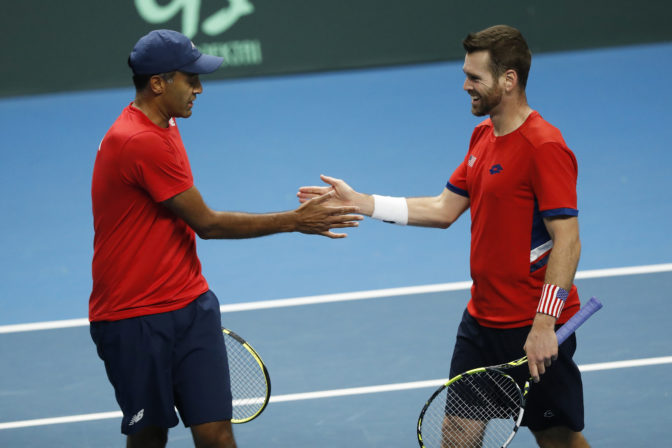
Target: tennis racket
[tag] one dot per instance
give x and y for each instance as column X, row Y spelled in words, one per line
column 250, row 382
column 483, row 407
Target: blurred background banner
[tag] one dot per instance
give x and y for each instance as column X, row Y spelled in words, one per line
column 83, row 44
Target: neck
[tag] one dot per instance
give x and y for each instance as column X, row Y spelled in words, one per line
column 152, row 110
column 510, row 115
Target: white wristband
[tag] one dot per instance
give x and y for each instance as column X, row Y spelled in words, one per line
column 390, row 209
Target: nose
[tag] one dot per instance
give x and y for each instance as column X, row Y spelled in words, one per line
column 467, row 86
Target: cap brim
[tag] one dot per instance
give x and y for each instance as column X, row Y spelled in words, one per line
column 204, row 64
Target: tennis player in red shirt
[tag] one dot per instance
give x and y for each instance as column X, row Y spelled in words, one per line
column 518, row 179
column 156, row 324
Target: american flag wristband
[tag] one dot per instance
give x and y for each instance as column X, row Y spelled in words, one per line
column 552, row 300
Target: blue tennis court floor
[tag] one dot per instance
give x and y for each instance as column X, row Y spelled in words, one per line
column 345, row 372
column 356, row 372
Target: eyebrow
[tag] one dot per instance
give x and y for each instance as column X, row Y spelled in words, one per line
column 471, row 74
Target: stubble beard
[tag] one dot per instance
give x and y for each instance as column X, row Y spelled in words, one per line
column 487, row 101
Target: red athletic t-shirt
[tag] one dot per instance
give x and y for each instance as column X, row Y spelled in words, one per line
column 513, row 181
column 144, row 256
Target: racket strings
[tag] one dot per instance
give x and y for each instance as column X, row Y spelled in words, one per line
column 248, row 381
column 478, row 410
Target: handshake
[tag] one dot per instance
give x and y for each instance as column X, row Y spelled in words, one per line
column 335, row 205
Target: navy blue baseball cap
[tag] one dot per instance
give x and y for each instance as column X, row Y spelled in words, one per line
column 163, row 51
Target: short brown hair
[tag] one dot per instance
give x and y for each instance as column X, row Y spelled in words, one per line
column 507, row 47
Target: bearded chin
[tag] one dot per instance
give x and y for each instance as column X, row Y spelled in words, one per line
column 481, row 111
column 487, row 103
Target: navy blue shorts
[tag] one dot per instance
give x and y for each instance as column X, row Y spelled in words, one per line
column 160, row 362
column 557, row 400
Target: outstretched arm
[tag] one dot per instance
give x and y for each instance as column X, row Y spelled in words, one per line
column 542, row 345
column 435, row 211
column 315, row 217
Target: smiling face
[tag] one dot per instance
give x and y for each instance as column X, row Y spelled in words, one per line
column 481, row 84
column 180, row 94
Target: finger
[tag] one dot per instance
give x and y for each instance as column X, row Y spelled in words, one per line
column 315, row 190
column 333, row 235
column 324, row 198
column 534, row 373
column 340, row 225
column 306, row 197
column 329, row 180
column 347, row 210
column 343, row 217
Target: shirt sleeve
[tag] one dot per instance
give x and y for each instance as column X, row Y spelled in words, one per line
column 554, row 177
column 458, row 180
column 154, row 165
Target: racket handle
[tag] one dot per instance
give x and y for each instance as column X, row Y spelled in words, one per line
column 578, row 319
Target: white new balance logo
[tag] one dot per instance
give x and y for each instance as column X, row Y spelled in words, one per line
column 137, row 417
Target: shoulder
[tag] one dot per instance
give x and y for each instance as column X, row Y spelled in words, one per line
column 147, row 147
column 130, row 124
column 546, row 144
column 482, row 129
column 483, row 126
column 539, row 132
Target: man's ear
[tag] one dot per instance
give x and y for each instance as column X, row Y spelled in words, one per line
column 510, row 80
column 157, row 84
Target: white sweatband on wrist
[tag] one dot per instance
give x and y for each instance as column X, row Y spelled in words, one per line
column 552, row 300
column 390, row 209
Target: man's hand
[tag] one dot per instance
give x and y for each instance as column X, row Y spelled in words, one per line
column 541, row 345
column 319, row 215
column 343, row 195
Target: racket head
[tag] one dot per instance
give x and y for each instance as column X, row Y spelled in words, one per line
column 250, row 381
column 482, row 407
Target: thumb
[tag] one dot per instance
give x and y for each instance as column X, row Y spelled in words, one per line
column 323, row 198
column 329, row 180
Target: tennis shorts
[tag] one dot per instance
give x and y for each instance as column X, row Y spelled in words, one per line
column 160, row 362
column 557, row 400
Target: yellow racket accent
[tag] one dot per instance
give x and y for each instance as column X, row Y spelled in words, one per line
column 250, row 382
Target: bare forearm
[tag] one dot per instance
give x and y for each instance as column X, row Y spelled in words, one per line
column 541, row 345
column 562, row 263
column 430, row 212
column 312, row 218
column 422, row 211
column 237, row 225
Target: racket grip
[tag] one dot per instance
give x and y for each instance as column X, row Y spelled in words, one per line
column 590, row 308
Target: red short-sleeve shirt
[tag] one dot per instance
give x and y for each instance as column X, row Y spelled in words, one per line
column 144, row 257
column 513, row 182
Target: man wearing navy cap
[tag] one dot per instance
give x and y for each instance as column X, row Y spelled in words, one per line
column 154, row 321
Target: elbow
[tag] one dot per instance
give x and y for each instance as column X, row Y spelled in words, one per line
column 205, row 232
column 208, row 227
column 446, row 221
